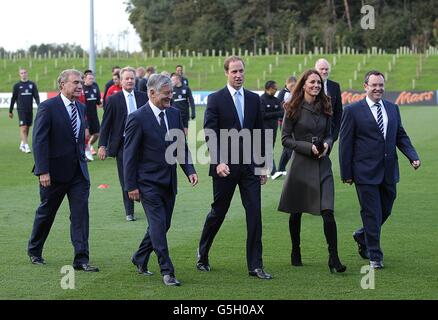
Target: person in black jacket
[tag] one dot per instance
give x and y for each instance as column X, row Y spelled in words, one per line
column 272, row 110
column 333, row 90
column 112, row 131
column 182, row 99
column 23, row 93
column 286, row 154
column 179, row 70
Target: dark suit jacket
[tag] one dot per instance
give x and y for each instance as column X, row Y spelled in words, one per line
column 364, row 155
column 55, row 149
column 114, row 120
column 221, row 114
column 334, row 91
column 145, row 165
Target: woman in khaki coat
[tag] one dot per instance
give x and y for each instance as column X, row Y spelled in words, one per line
column 309, row 183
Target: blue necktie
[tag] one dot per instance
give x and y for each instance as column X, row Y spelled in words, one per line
column 238, row 104
column 131, row 103
column 74, row 120
column 380, row 118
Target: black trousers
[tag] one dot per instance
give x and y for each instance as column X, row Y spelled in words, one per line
column 376, row 203
column 77, row 191
column 158, row 207
column 223, row 189
column 128, row 203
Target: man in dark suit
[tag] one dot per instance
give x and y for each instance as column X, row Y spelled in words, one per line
column 333, row 90
column 111, row 140
column 234, row 109
column 150, row 171
column 371, row 130
column 60, row 164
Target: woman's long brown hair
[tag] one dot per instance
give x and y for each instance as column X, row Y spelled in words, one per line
column 322, row 102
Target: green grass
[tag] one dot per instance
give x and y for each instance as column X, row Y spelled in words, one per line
column 206, row 73
column 409, row 237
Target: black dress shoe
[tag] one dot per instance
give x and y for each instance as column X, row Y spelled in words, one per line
column 260, row 273
column 362, row 249
column 170, row 280
column 37, row 260
column 141, row 269
column 85, row 267
column 200, row 264
column 205, row 267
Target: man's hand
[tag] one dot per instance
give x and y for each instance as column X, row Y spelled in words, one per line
column 102, row 153
column 45, row 180
column 222, row 170
column 11, row 115
column 263, row 179
column 315, row 150
column 134, row 195
column 193, row 178
column 416, row 164
column 349, row 181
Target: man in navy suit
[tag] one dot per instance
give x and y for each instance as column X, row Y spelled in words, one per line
column 60, row 164
column 234, row 109
column 149, row 166
column 333, row 90
column 371, row 130
column 111, row 140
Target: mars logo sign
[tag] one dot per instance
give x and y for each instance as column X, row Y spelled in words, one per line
column 403, row 98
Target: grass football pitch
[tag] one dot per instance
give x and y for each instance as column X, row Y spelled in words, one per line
column 409, row 238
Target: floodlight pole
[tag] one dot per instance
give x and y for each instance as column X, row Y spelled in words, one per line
column 92, row 50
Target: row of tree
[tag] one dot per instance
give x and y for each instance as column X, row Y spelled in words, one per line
column 54, row 50
column 283, row 24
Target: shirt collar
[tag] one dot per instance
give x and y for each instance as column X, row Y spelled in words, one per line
column 66, row 101
column 233, row 91
column 371, row 103
column 125, row 93
column 156, row 110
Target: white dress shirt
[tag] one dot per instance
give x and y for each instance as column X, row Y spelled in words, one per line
column 373, row 109
column 157, row 112
column 234, row 96
column 125, row 93
column 68, row 107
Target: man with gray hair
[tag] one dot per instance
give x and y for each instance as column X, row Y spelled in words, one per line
column 150, row 171
column 61, row 166
column 333, row 90
column 112, row 135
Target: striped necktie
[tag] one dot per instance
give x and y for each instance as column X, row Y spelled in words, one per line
column 380, row 118
column 74, row 119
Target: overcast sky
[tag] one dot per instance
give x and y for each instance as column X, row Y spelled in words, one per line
column 27, row 22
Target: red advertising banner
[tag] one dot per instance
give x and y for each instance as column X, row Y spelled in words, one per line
column 402, row 98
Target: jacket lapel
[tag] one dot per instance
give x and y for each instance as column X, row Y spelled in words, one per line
column 391, row 118
column 66, row 117
column 368, row 115
column 122, row 104
column 138, row 102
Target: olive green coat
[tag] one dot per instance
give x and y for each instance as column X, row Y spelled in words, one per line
column 308, row 186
